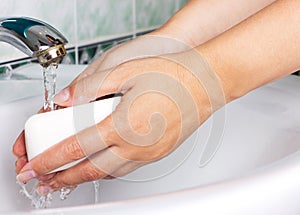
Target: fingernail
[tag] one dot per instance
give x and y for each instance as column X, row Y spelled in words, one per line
column 24, row 177
column 43, row 190
column 62, row 96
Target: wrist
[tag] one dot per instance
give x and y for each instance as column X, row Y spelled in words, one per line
column 203, row 83
column 226, row 72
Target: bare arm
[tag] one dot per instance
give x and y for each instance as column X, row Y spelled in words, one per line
column 196, row 23
column 200, row 20
column 263, row 48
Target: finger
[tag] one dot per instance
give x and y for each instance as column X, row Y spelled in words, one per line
column 109, row 177
column 94, row 168
column 19, row 149
column 97, row 66
column 125, row 169
column 94, row 86
column 20, row 163
column 88, row 71
column 45, row 178
column 43, row 189
column 42, row 110
column 81, row 145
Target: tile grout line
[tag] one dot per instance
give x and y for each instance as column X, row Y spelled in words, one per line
column 76, row 33
column 134, row 19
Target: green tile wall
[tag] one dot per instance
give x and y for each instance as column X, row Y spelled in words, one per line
column 181, row 3
column 153, row 12
column 89, row 21
column 106, row 17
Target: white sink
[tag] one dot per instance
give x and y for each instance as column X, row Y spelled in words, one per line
column 27, row 81
column 255, row 170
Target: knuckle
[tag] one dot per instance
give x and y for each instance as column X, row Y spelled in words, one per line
column 74, row 151
column 45, row 165
column 108, row 135
column 90, row 173
column 55, row 185
column 109, row 138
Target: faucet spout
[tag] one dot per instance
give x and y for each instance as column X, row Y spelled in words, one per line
column 35, row 38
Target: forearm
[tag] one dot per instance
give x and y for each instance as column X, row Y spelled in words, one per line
column 261, row 49
column 194, row 24
column 201, row 20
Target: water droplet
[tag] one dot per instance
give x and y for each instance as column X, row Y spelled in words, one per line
column 65, row 192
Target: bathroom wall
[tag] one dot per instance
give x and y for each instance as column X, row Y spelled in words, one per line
column 96, row 24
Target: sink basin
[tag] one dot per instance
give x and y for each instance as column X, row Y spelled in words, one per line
column 244, row 160
column 27, row 81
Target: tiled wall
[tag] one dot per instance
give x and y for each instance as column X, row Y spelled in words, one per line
column 86, row 22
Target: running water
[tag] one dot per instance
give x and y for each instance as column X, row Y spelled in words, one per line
column 97, row 191
column 29, row 189
column 40, row 202
column 65, row 192
column 37, row 201
column 49, row 74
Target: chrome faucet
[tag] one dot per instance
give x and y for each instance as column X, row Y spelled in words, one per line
column 35, row 38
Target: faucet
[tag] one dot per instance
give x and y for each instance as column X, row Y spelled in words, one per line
column 35, row 38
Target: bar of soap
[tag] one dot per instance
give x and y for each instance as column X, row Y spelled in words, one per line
column 47, row 129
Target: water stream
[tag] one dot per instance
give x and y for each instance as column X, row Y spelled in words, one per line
column 49, row 74
column 97, row 191
column 37, row 201
column 29, row 189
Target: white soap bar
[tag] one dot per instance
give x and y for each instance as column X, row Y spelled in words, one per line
column 47, row 129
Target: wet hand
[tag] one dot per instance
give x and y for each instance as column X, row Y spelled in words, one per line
column 163, row 102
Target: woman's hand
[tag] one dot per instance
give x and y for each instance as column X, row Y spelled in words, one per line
column 164, row 100
column 137, row 48
column 181, row 27
column 152, row 44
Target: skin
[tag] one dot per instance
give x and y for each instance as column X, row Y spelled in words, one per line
column 213, row 18
column 210, row 23
column 261, row 49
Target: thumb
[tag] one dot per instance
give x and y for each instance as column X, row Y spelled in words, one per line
column 91, row 87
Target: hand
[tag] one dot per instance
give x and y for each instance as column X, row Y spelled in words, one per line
column 155, row 43
column 163, row 102
column 137, row 48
